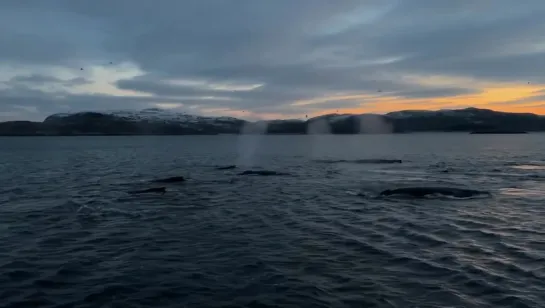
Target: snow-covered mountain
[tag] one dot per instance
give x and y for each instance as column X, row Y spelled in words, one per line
column 167, row 116
column 152, row 115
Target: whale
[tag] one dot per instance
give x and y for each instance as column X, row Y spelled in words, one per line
column 262, row 172
column 424, row 191
column 149, row 190
column 226, row 167
column 173, row 179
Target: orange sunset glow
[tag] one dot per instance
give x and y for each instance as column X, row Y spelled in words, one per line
column 500, row 97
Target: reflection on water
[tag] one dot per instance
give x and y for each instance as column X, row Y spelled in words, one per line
column 530, row 167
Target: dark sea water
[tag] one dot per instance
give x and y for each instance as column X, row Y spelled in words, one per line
column 71, row 236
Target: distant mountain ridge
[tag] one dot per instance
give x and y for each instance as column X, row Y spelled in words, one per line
column 149, row 114
column 154, row 121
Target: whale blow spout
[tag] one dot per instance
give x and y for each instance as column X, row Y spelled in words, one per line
column 425, row 191
column 161, row 190
column 174, row 179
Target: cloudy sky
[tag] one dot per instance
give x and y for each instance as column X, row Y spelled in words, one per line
column 270, row 58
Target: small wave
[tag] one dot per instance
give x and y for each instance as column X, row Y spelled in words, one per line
column 359, row 161
column 495, row 173
column 438, row 196
column 521, row 192
column 529, row 167
column 355, row 193
column 537, row 163
column 13, row 190
column 447, row 197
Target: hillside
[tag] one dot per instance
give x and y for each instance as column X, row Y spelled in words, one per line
column 161, row 122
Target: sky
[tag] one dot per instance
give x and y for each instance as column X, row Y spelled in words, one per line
column 270, row 59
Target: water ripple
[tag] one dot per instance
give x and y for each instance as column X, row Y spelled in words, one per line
column 72, row 236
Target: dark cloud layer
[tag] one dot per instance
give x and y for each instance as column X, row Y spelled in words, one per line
column 203, row 53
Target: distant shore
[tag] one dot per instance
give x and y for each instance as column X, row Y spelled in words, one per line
column 154, row 122
column 272, row 134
